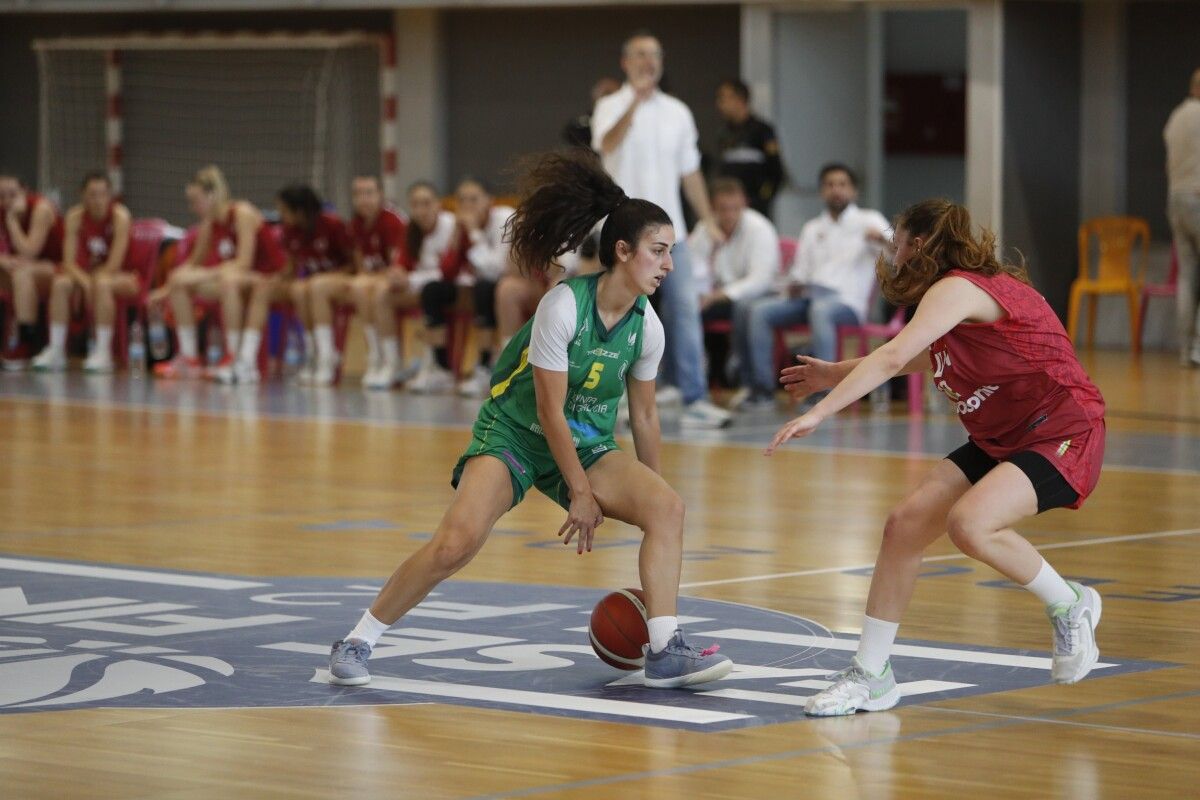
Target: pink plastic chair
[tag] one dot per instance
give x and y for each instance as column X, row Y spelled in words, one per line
column 1149, row 290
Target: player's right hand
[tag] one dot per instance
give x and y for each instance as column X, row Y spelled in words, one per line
column 808, row 376
column 583, row 518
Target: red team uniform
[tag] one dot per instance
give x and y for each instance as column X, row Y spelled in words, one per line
column 94, row 241
column 52, row 249
column 1017, row 385
column 323, row 248
column 223, row 245
column 375, row 243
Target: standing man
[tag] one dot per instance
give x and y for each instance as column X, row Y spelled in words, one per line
column 749, row 150
column 1182, row 136
column 647, row 140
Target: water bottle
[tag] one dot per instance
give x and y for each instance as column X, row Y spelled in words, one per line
column 160, row 343
column 292, row 352
column 881, row 398
column 137, row 350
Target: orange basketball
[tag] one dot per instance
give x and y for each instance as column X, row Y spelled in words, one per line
column 617, row 629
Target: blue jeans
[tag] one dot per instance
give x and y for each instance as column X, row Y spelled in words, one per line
column 683, row 361
column 821, row 309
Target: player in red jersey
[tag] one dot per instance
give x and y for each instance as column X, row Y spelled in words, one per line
column 320, row 257
column 31, row 235
column 1036, row 438
column 378, row 234
column 233, row 257
column 95, row 265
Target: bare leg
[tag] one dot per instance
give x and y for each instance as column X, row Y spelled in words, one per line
column 484, row 494
column 31, row 280
column 979, row 523
column 61, row 290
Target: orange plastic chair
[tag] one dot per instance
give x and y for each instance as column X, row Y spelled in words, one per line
column 1117, row 239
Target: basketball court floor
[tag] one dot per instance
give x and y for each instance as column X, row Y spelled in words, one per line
column 175, row 560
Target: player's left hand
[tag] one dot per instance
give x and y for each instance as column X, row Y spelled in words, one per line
column 796, row 429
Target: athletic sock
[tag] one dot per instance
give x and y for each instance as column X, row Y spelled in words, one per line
column 104, row 336
column 248, row 353
column 1050, row 587
column 231, row 342
column 58, row 337
column 368, row 629
column 372, row 337
column 188, row 347
column 324, row 337
column 390, row 345
column 443, row 357
column 875, row 645
column 661, row 630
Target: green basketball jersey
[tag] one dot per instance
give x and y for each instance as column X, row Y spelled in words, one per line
column 599, row 360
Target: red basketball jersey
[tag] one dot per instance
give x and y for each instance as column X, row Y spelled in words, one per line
column 93, row 241
column 324, row 247
column 380, row 240
column 1017, row 384
column 52, row 247
column 223, row 244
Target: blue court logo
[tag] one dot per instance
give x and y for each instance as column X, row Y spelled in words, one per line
column 85, row 635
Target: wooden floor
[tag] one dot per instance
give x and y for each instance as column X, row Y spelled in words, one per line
column 231, row 495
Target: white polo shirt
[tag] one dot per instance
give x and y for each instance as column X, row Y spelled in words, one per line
column 1182, row 137
column 657, row 151
column 836, row 254
column 745, row 266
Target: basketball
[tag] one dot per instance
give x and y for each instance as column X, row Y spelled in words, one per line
column 617, row 629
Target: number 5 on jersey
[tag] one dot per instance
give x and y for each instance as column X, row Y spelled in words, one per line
column 593, row 378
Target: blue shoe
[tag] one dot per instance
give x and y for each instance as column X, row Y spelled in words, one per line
column 348, row 663
column 680, row 664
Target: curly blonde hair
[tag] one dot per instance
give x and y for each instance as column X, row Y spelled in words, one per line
column 947, row 243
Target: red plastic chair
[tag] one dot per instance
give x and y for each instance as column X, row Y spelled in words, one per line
column 1149, row 290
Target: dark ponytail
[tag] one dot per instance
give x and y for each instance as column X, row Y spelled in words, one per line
column 563, row 196
column 302, row 198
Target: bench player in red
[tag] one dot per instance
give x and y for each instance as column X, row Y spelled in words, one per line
column 234, row 252
column 1035, row 424
column 378, row 234
column 95, row 264
column 31, row 236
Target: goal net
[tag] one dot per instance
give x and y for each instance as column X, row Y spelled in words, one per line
column 268, row 111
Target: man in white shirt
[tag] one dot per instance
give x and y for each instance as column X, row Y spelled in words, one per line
column 831, row 283
column 1182, row 136
column 734, row 272
column 647, row 141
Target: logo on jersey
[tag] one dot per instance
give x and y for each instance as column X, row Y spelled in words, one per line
column 600, row 351
column 226, row 249
column 632, row 338
column 97, row 249
column 1062, row 448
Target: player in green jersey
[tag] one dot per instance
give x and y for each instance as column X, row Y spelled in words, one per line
column 549, row 417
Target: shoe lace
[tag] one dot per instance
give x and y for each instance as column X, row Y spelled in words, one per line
column 842, row 680
column 679, row 646
column 355, row 650
column 1065, row 633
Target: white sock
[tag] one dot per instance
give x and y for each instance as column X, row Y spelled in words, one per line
column 324, row 337
column 390, row 345
column 58, row 336
column 368, row 629
column 310, row 347
column 104, row 334
column 875, row 646
column 661, row 630
column 1050, row 587
column 231, row 342
column 372, row 344
column 188, row 348
column 248, row 354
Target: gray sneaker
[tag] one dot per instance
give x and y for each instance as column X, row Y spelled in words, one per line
column 855, row 689
column 348, row 663
column 1075, row 650
column 680, row 664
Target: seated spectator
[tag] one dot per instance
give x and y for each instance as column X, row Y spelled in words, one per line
column 431, row 252
column 749, row 150
column 31, row 238
column 732, row 274
column 320, row 257
column 481, row 234
column 378, row 235
column 234, row 253
column 94, row 266
column 830, row 284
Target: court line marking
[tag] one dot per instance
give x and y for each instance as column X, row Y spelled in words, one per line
column 1133, row 537
column 132, row 575
column 1073, row 723
column 692, row 439
column 786, row 755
